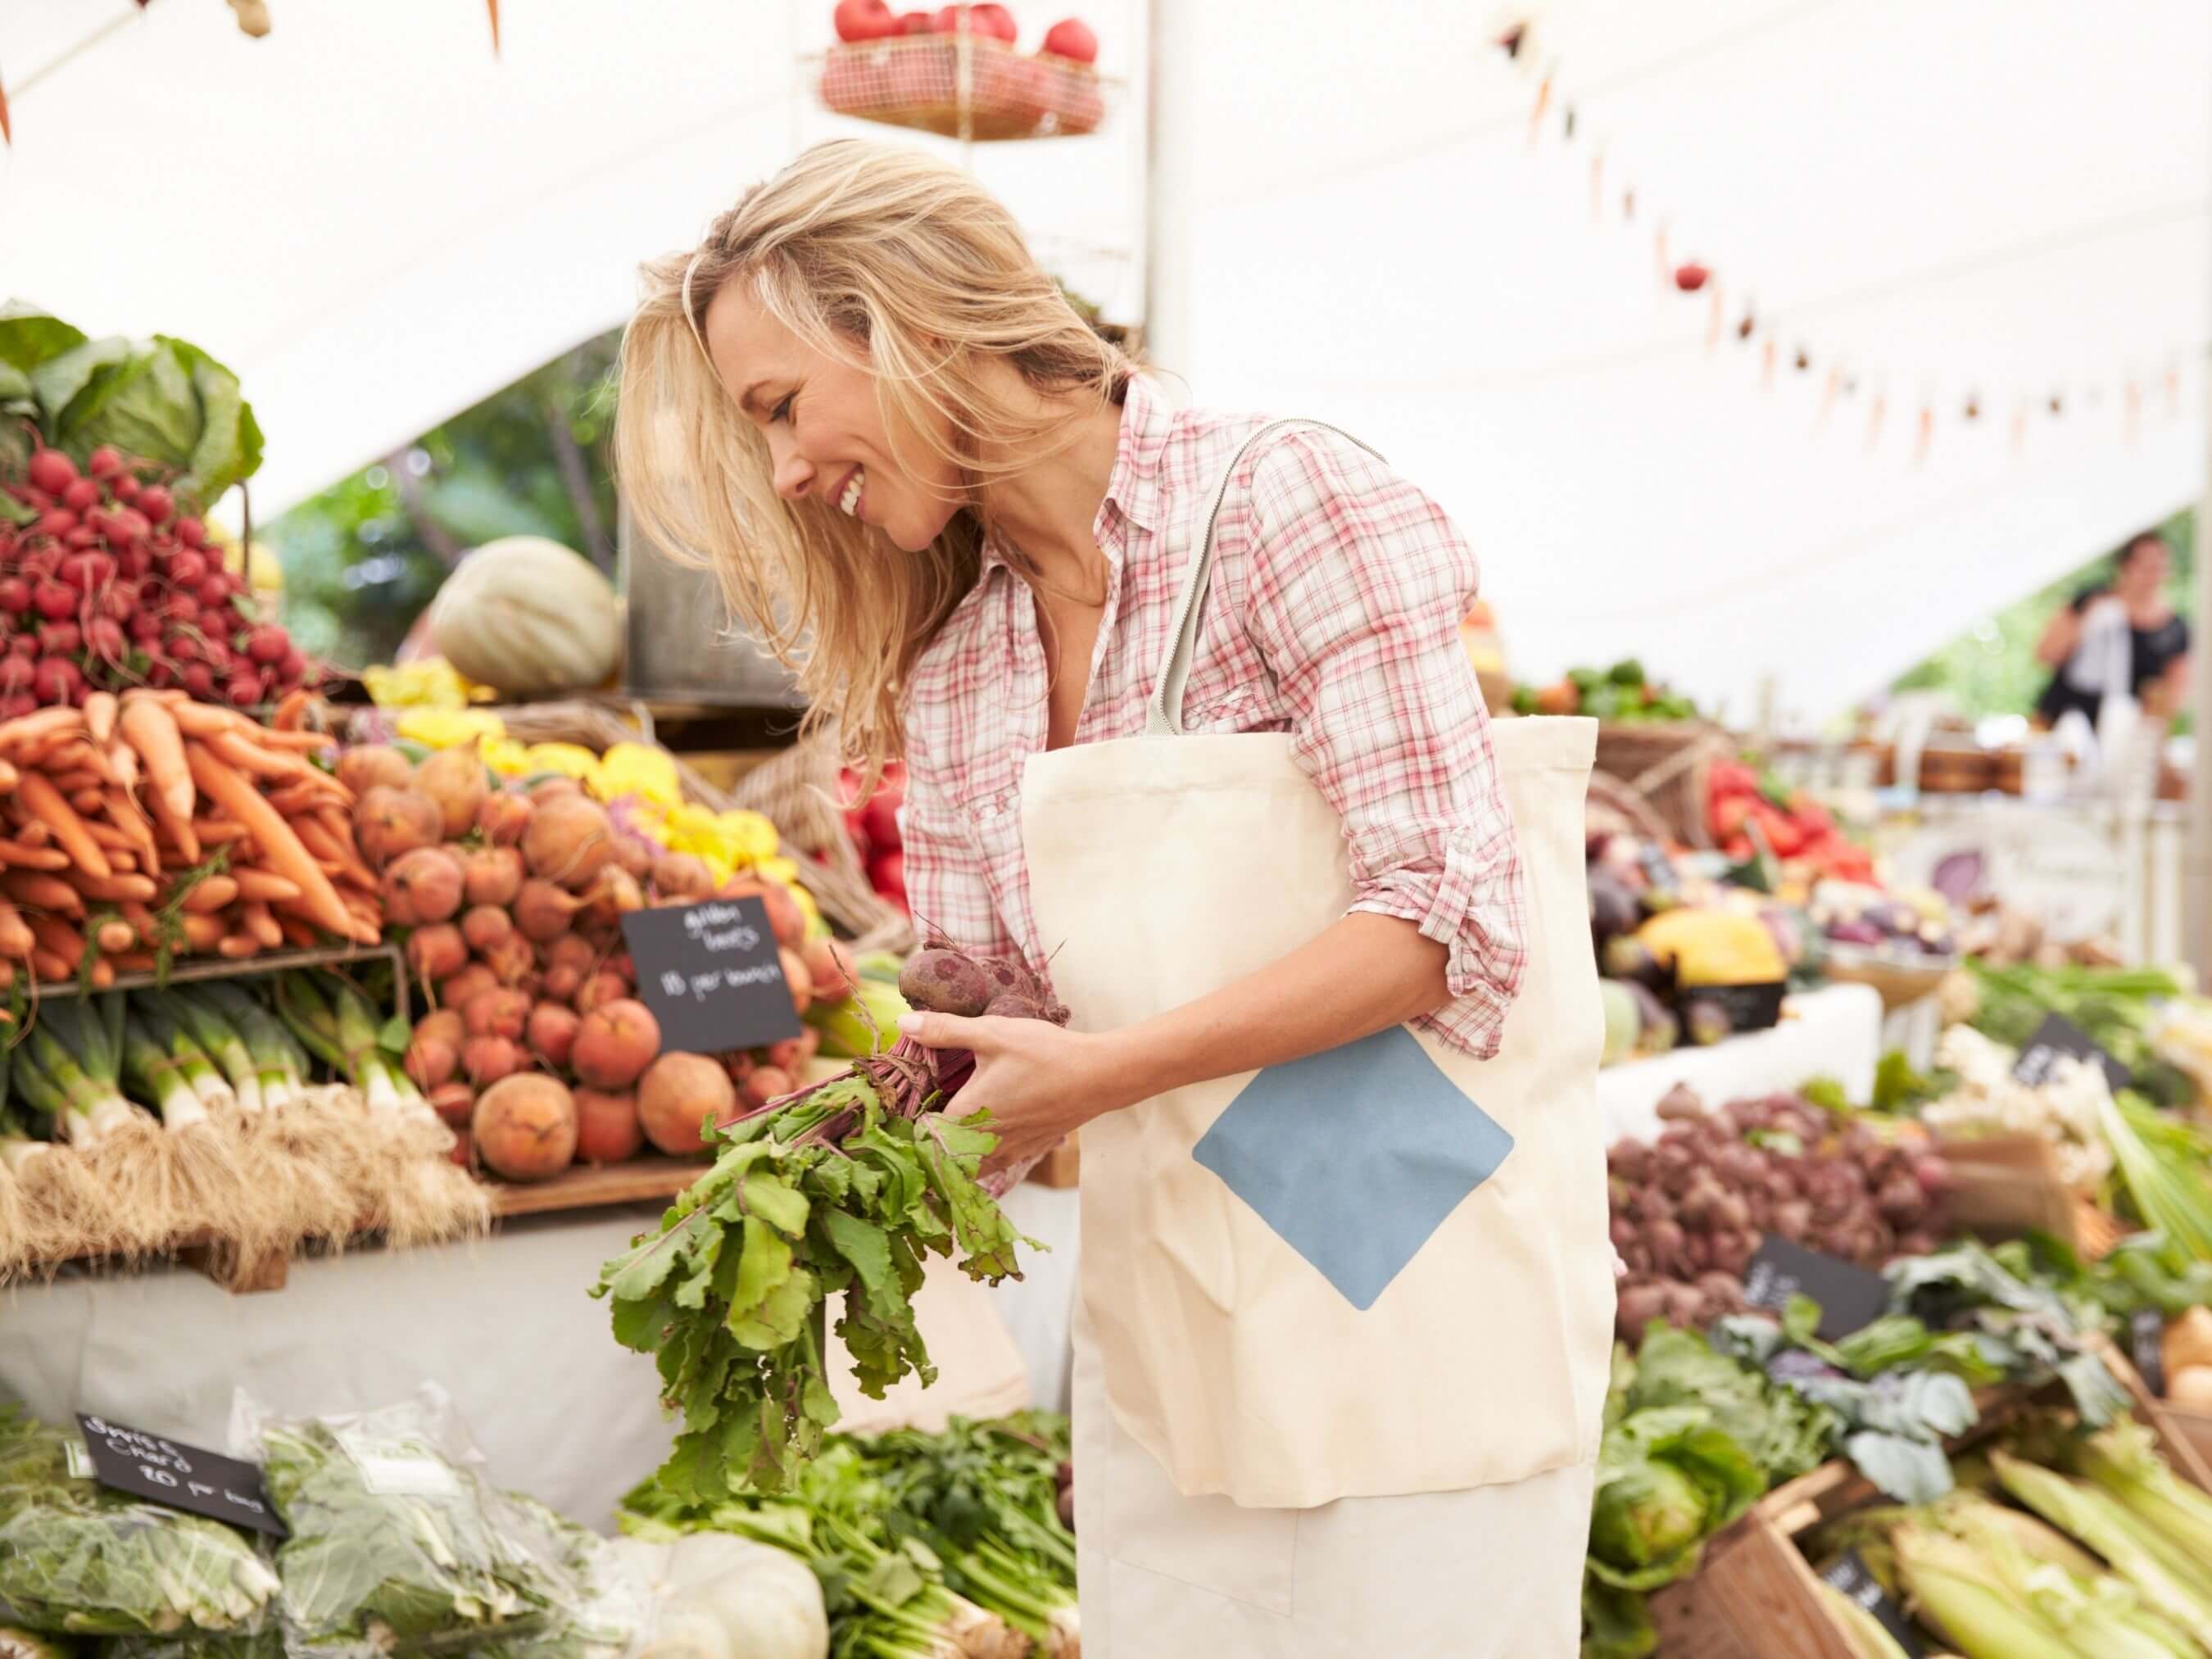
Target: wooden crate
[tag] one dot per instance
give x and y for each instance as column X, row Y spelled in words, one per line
column 1756, row 1596
column 2009, row 1185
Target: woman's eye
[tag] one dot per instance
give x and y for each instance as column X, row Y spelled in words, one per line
column 781, row 412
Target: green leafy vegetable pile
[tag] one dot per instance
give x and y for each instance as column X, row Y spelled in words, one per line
column 925, row 1545
column 163, row 400
column 76, row 1556
column 844, row 1189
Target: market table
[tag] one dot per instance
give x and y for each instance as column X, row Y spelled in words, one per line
column 503, row 1324
column 1835, row 1031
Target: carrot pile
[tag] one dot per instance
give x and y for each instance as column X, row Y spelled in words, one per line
column 135, row 829
column 140, row 827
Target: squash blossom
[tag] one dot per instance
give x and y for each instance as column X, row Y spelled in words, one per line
column 570, row 760
column 645, row 770
column 445, row 728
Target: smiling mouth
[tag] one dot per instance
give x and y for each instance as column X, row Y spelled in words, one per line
column 848, row 498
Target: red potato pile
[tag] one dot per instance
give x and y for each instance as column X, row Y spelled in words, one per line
column 1691, row 1208
column 115, row 585
column 538, row 1049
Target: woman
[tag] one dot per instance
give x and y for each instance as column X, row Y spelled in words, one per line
column 1347, row 1290
column 2117, row 638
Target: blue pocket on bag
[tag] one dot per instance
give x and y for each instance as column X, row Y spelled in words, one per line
column 1356, row 1155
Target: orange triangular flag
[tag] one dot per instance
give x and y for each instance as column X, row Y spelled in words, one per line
column 492, row 6
column 7, row 132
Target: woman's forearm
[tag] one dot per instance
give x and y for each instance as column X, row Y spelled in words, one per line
column 1362, row 975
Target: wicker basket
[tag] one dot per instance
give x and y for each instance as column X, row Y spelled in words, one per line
column 1612, row 808
column 795, row 792
column 1666, row 763
column 915, row 81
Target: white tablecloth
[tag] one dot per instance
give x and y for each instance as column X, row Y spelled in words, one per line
column 1835, row 1031
column 505, row 1325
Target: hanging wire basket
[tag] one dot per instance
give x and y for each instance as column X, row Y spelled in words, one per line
column 969, row 87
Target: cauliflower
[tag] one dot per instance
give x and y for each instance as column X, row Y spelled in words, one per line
column 2065, row 1110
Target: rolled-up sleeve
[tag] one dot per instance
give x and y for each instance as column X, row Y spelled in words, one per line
column 1355, row 583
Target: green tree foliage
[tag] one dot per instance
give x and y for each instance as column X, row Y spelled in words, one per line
column 363, row 557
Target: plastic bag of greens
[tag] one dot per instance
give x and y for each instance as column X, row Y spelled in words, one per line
column 268, row 1643
column 399, row 1544
column 601, row 1609
column 77, row 1558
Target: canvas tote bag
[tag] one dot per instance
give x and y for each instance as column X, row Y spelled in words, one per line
column 1384, row 1269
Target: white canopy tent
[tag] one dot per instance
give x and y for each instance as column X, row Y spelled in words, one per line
column 376, row 222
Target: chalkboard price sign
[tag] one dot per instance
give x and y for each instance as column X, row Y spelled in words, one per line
column 1849, row 1578
column 710, row 974
column 1849, row 1296
column 2059, row 1038
column 181, row 1477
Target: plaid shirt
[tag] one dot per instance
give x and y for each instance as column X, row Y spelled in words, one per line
column 1334, row 615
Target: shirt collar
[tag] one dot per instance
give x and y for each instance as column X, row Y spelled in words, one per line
column 1133, row 489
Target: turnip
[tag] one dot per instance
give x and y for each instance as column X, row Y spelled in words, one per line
column 105, row 462
column 488, row 1059
column 512, row 961
column 82, row 494
column 455, row 1103
column 56, row 680
column 634, row 856
column 438, row 952
column 568, row 841
column 492, row 875
column 454, row 779
column 500, row 1012
column 543, row 910
column 678, row 1094
column 486, row 926
column 191, row 532
column 53, row 599
column 525, row 1127
column 551, row 1033
column 16, row 596
column 562, row 982
column 607, row 1126
column 504, row 817
column 615, row 1042
column 599, row 990
column 570, row 951
column 431, row 1061
column 765, row 1084
column 945, row 981
column 828, row 970
column 369, row 766
column 463, row 987
column 186, row 568
column 613, row 895
column 391, row 822
column 676, row 875
column 423, row 886
column 797, row 978
column 784, row 919
column 156, row 503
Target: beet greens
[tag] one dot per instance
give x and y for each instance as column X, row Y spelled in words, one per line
column 844, row 1187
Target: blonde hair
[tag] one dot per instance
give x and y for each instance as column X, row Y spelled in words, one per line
column 880, row 255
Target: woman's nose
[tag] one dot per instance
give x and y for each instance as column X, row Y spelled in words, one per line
column 794, row 473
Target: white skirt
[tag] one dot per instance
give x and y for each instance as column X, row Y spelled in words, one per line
column 1494, row 1572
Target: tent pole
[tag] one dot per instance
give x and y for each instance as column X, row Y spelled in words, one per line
column 2197, row 869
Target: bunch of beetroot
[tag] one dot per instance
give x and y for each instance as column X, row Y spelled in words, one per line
column 114, row 585
column 1690, row 1208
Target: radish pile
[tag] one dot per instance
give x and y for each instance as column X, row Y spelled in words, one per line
column 114, row 584
column 537, row 1050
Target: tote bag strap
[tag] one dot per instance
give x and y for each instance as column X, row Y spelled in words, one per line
column 1163, row 717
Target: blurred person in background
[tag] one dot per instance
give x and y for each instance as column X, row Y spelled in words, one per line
column 2119, row 638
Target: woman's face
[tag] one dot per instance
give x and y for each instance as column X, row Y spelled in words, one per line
column 826, row 437
column 2142, row 576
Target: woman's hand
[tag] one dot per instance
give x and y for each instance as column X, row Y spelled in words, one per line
column 1039, row 1082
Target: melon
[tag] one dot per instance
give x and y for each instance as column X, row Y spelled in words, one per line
column 528, row 617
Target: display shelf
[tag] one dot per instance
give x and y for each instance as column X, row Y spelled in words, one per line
column 188, row 970
column 639, row 1180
